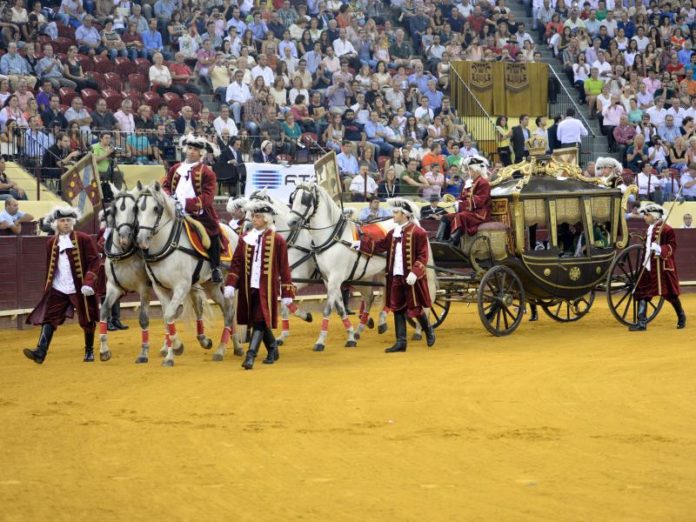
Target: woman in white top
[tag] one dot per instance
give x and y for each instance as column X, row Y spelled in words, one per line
column 364, row 77
column 604, row 99
column 11, row 111
column 160, row 77
column 475, row 51
column 581, row 72
column 382, row 76
column 280, row 95
column 297, row 89
column 436, row 130
column 19, row 13
column 333, row 135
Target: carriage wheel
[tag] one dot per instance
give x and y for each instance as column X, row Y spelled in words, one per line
column 568, row 310
column 622, row 279
column 500, row 301
column 437, row 312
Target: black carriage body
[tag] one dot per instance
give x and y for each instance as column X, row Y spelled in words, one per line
column 541, row 204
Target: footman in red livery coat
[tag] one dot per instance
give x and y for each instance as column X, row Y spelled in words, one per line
column 260, row 273
column 73, row 265
column 194, row 185
column 407, row 250
column 474, row 202
column 659, row 273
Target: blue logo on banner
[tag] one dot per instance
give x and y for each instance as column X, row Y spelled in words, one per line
column 271, row 179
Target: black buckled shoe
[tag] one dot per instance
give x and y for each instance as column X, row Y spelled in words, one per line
column 119, row 325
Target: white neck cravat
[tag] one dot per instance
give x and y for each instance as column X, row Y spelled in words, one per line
column 648, row 246
column 255, row 238
column 398, row 268
column 63, row 279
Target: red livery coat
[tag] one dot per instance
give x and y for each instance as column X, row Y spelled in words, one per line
column 100, row 285
column 275, row 278
column 662, row 279
column 84, row 264
column 205, row 186
column 414, row 251
column 474, row 207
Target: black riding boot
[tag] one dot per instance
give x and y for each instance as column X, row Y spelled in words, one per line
column 442, row 229
column 681, row 316
column 89, row 345
column 45, row 337
column 534, row 315
column 400, row 327
column 116, row 317
column 456, row 237
column 271, row 345
column 429, row 330
column 642, row 323
column 345, row 295
column 254, row 343
column 214, row 256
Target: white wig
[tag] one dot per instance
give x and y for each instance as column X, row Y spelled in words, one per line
column 61, row 212
column 404, row 205
column 655, row 210
column 603, row 163
column 259, row 206
column 236, row 204
column 199, row 142
column 477, row 163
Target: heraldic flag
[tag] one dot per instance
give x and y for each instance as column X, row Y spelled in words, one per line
column 81, row 186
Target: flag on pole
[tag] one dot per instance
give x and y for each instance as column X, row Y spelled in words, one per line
column 81, row 186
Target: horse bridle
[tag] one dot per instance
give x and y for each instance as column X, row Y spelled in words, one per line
column 309, row 200
column 132, row 226
column 160, row 212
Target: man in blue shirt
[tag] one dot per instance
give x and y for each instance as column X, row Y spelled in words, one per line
column 434, row 96
column 15, row 67
column 152, row 40
column 347, row 164
column 419, row 78
column 258, row 28
column 314, row 58
column 88, row 38
column 376, row 134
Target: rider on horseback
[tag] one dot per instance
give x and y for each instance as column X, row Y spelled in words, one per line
column 193, row 184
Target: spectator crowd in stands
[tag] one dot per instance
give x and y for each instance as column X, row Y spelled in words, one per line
column 365, row 78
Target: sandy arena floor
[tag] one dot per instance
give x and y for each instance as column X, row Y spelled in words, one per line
column 577, row 422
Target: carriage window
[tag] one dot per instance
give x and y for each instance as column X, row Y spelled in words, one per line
column 536, row 224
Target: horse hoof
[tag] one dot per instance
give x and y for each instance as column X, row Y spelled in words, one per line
column 381, row 328
column 163, row 352
column 239, row 352
column 308, row 318
column 168, row 363
column 351, row 344
column 416, row 337
column 141, row 360
column 357, row 336
column 279, row 342
column 370, row 323
column 206, row 343
column 104, row 356
column 217, row 357
column 318, row 347
column 179, row 350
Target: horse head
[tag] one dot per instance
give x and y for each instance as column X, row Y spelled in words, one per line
column 304, row 203
column 152, row 205
column 122, row 216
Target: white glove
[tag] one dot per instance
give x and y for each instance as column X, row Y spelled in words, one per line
column 286, row 301
column 87, row 290
column 411, row 278
column 355, row 245
column 656, row 248
column 468, row 183
column 228, row 292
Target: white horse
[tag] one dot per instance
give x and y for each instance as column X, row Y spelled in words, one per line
column 175, row 268
column 125, row 272
column 332, row 234
column 303, row 265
